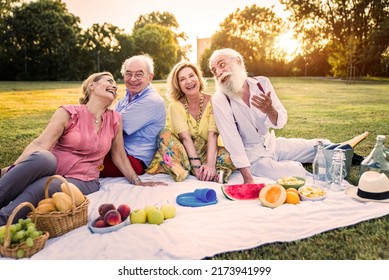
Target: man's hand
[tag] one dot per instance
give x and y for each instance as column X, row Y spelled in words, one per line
column 264, row 103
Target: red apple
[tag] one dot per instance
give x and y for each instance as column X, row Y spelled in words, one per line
column 112, row 218
column 124, row 211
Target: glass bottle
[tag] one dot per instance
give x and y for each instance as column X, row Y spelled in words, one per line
column 319, row 165
column 377, row 160
column 337, row 171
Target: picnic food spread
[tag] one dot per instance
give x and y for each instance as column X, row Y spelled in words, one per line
column 266, row 195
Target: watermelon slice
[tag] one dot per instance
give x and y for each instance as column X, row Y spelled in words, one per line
column 242, row 191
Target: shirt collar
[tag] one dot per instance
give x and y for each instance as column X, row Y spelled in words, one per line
column 136, row 96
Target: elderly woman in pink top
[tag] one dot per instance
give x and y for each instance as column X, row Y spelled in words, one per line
column 73, row 145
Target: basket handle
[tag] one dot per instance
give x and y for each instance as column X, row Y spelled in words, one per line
column 67, row 186
column 7, row 237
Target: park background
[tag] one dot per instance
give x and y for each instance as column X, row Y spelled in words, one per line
column 43, row 40
column 335, row 86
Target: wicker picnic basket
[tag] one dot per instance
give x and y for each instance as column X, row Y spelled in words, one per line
column 60, row 222
column 11, row 250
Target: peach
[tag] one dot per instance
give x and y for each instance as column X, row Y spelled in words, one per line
column 105, row 207
column 100, row 224
column 124, row 211
column 112, row 218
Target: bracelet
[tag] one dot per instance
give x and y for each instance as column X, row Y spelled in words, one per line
column 195, row 166
column 194, row 158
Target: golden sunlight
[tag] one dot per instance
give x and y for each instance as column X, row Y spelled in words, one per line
column 287, row 46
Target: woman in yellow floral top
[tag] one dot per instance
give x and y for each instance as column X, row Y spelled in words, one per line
column 191, row 144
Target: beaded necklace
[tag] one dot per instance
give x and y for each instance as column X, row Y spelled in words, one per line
column 186, row 105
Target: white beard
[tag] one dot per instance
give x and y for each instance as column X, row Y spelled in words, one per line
column 233, row 87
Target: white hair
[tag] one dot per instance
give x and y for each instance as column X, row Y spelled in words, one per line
column 227, row 52
column 145, row 57
column 237, row 78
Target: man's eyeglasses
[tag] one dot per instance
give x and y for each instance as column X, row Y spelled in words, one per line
column 137, row 75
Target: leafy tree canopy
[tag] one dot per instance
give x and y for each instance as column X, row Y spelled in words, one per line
column 252, row 32
column 40, row 40
column 160, row 43
column 353, row 29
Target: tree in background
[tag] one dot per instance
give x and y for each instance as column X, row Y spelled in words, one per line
column 40, row 41
column 354, row 31
column 168, row 20
column 158, row 34
column 126, row 49
column 253, row 32
column 6, row 6
column 160, row 43
column 103, row 45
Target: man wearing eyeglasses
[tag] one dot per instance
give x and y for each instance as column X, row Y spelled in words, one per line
column 143, row 113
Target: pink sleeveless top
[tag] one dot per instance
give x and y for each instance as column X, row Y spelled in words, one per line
column 80, row 150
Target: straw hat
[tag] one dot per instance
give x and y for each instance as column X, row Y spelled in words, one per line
column 372, row 186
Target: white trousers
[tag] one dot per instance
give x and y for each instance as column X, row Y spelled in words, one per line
column 289, row 155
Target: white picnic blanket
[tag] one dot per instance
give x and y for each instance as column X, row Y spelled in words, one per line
column 199, row 232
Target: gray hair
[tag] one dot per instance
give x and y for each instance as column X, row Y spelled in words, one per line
column 145, row 57
column 227, row 52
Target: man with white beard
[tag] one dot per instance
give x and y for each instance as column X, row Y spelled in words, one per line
column 245, row 109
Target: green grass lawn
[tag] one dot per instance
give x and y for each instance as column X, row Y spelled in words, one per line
column 317, row 107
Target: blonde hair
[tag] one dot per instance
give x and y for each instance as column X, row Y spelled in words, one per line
column 174, row 89
column 85, row 89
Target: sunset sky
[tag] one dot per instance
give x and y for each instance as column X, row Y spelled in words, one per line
column 199, row 18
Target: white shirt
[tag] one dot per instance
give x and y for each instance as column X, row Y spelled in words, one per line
column 253, row 140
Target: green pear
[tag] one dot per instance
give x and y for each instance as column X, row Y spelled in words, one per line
column 169, row 211
column 155, row 217
column 138, row 216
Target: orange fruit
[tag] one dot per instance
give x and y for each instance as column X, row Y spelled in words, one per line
column 292, row 190
column 292, row 198
column 272, row 195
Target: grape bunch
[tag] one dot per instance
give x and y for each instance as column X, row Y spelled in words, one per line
column 23, row 231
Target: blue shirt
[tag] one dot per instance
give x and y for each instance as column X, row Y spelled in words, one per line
column 143, row 118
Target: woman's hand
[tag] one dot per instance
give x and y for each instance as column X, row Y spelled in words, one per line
column 207, row 172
